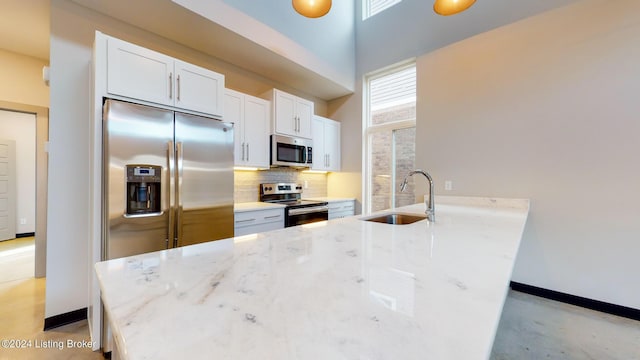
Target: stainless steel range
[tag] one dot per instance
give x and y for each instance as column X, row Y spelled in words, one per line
column 297, row 211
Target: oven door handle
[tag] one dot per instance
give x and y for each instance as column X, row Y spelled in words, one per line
column 308, row 210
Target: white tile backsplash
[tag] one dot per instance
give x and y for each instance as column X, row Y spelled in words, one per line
column 247, row 182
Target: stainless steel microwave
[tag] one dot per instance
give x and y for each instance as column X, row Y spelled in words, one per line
column 290, row 151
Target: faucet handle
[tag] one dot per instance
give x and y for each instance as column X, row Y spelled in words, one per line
column 403, row 186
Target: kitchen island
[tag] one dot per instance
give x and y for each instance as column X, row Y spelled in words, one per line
column 340, row 289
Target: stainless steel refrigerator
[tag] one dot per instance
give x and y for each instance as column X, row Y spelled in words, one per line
column 168, row 179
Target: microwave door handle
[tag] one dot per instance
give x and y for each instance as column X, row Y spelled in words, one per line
column 304, row 155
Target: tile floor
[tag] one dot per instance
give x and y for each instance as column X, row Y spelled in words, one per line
column 531, row 328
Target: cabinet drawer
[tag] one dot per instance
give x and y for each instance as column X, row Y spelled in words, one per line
column 340, row 214
column 257, row 228
column 341, row 206
column 341, row 209
column 249, row 218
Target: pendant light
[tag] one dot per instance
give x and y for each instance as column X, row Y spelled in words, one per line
column 450, row 7
column 312, row 8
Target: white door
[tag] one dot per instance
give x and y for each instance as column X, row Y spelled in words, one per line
column 7, row 189
column 319, row 154
column 233, row 113
column 139, row 73
column 304, row 110
column 285, row 116
column 199, row 89
column 332, row 144
column 256, row 131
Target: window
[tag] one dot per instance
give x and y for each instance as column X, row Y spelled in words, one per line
column 372, row 7
column 390, row 130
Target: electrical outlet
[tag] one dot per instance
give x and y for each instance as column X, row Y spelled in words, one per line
column 306, row 184
column 23, row 221
column 448, row 185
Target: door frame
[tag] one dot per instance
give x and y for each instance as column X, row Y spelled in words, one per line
column 42, row 139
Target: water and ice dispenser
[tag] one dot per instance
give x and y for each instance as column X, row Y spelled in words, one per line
column 144, row 189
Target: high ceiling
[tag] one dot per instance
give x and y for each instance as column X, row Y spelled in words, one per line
column 24, row 29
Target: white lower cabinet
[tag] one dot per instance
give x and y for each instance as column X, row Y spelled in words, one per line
column 255, row 221
column 340, row 209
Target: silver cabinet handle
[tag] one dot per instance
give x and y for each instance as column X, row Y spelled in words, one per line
column 242, row 151
column 272, row 217
column 244, row 221
column 247, row 151
column 170, row 85
column 178, row 87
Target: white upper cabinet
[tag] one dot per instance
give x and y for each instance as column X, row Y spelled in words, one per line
column 139, row 73
column 198, row 89
column 291, row 114
column 251, row 130
column 326, row 144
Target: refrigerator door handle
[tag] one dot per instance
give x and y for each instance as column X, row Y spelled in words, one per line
column 179, row 175
column 169, row 191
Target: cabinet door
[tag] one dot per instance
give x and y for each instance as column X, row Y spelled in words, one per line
column 284, row 113
column 319, row 154
column 233, row 113
column 256, row 131
column 139, row 73
column 332, row 144
column 198, row 89
column 304, row 111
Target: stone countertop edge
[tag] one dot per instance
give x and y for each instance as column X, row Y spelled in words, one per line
column 492, row 202
column 343, row 288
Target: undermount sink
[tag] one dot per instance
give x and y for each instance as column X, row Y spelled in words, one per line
column 396, row 218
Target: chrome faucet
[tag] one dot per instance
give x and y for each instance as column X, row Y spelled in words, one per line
column 431, row 216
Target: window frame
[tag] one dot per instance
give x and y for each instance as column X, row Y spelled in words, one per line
column 368, row 129
column 366, row 8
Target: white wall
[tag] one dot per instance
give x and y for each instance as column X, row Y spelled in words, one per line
column 348, row 181
column 21, row 127
column 547, row 109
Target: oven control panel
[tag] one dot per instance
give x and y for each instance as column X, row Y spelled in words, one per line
column 280, row 188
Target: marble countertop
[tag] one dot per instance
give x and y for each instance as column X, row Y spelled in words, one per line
column 341, row 289
column 256, row 205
